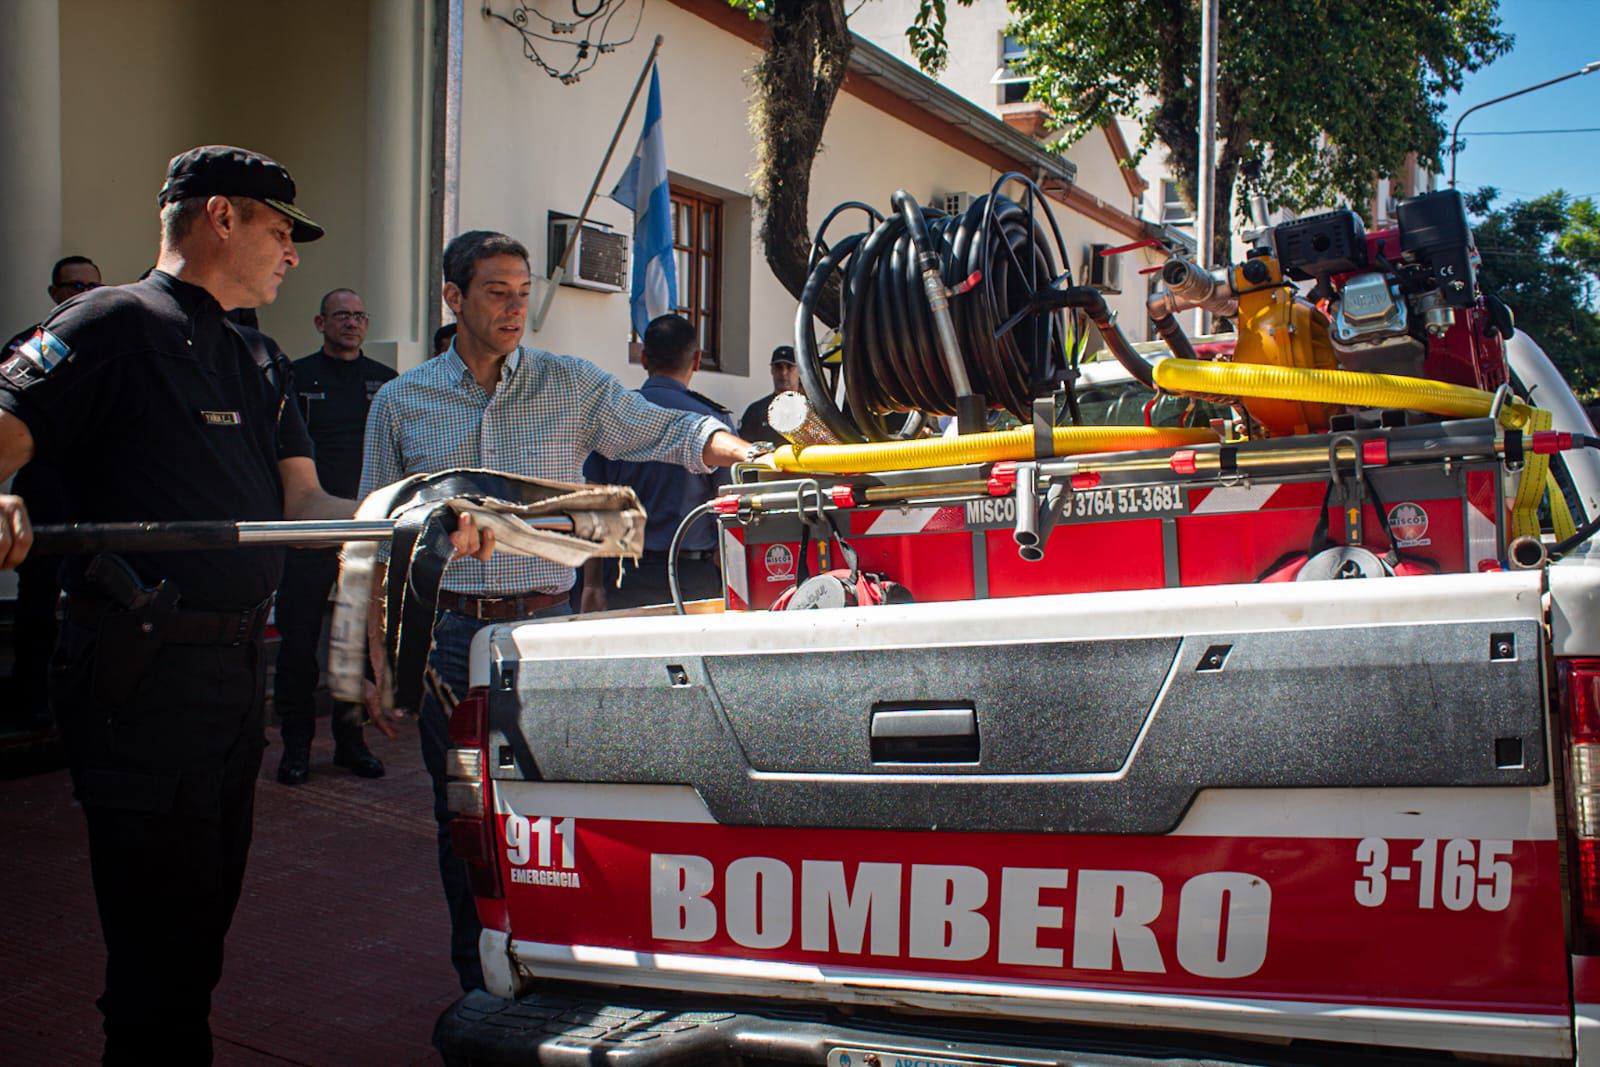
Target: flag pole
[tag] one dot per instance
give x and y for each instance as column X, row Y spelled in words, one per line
column 572, row 236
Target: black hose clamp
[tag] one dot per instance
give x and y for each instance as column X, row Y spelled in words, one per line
column 1513, row 455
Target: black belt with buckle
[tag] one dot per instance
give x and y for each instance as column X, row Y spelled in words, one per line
column 499, row 608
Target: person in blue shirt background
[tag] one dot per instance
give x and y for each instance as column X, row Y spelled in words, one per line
column 667, row 491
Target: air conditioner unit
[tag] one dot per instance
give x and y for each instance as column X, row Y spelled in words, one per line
column 953, row 203
column 1105, row 272
column 599, row 262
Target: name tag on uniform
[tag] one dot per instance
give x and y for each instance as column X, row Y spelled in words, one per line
column 313, row 396
column 221, row 418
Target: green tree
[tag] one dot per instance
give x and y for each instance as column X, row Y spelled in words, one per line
column 1320, row 95
column 1542, row 257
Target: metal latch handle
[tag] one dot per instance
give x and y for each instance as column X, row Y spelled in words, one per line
column 924, row 734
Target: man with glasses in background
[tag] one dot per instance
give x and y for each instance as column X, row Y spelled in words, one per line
column 38, row 588
column 69, row 277
column 335, row 385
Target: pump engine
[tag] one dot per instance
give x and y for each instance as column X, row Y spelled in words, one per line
column 1403, row 300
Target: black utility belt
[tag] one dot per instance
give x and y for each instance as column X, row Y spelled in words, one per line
column 177, row 627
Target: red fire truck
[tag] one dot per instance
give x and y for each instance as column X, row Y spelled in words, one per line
column 1086, row 756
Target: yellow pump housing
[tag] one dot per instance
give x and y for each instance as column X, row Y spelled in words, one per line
column 1279, row 328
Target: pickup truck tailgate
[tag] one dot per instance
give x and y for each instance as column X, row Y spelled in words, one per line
column 1278, row 810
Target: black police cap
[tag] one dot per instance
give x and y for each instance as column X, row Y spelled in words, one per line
column 222, row 170
column 783, row 354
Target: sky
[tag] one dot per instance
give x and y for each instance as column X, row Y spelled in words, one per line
column 1553, row 37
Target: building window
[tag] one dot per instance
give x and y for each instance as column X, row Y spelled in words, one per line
column 697, row 246
column 1173, row 209
column 1012, row 80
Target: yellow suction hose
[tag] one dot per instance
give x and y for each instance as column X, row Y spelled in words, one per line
column 1350, row 388
column 979, row 448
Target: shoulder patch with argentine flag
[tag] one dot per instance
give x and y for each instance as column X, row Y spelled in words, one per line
column 36, row 357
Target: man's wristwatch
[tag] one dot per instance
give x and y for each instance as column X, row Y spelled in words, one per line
column 757, row 450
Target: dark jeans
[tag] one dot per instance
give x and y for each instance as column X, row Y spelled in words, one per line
column 163, row 760
column 452, row 647
column 308, row 575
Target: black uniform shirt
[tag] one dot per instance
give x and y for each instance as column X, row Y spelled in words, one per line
column 154, row 409
column 334, row 396
column 37, row 482
column 755, row 427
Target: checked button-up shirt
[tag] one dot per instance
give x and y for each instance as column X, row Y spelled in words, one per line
column 543, row 419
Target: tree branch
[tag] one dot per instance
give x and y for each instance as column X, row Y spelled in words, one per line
column 808, row 55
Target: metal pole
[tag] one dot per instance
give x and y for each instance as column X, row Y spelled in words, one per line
column 85, row 537
column 572, row 238
column 1588, row 68
column 1205, row 192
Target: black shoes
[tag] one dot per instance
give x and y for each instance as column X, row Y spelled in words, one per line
column 294, row 768
column 357, row 760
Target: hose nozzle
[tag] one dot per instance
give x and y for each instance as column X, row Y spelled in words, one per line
column 1190, row 285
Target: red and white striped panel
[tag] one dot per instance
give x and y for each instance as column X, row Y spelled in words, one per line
column 1258, row 496
column 892, row 521
column 733, row 569
column 1483, row 534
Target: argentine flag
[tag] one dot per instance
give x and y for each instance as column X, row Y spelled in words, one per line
column 643, row 190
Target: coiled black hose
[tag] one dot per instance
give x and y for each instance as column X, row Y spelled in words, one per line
column 996, row 256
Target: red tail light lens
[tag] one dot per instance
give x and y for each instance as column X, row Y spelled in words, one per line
column 1578, row 690
column 1588, row 877
column 471, row 796
column 469, row 723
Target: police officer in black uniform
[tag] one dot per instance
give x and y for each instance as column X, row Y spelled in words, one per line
column 667, row 491
column 335, row 385
column 157, row 408
column 785, row 379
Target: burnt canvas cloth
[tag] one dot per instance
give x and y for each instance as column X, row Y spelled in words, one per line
column 605, row 521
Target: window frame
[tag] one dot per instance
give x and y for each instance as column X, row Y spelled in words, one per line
column 693, row 305
column 1182, row 216
column 1006, row 80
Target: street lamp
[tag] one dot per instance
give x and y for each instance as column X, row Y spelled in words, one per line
column 1580, row 72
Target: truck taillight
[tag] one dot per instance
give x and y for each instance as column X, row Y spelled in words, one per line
column 1578, row 689
column 469, row 795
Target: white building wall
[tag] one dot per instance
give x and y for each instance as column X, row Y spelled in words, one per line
column 974, row 34
column 531, row 145
column 971, row 32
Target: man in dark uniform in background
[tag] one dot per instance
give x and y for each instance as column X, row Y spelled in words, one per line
column 667, row 491
column 70, row 276
column 785, row 379
column 443, row 337
column 34, row 626
column 335, row 385
column 157, row 680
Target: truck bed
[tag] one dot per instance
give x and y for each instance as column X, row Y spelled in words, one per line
column 1302, row 812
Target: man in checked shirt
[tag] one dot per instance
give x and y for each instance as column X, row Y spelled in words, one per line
column 490, row 402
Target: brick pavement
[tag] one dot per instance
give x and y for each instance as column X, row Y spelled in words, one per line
column 338, row 951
